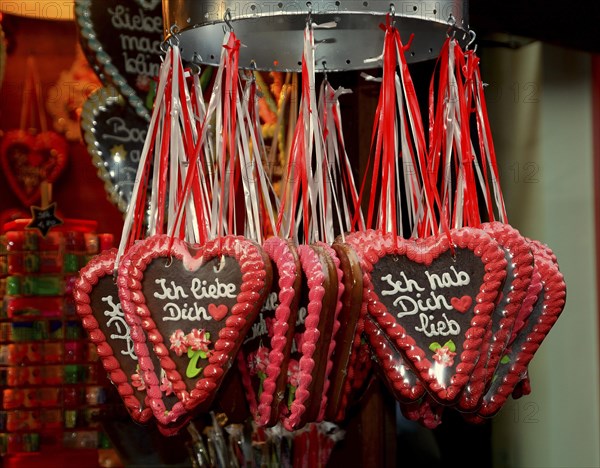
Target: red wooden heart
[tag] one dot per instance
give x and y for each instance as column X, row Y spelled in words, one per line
column 409, row 284
column 28, row 160
column 170, row 287
column 217, row 312
column 461, row 304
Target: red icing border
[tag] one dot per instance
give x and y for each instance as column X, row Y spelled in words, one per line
column 252, row 290
column 373, row 245
column 279, row 251
column 522, row 261
column 100, row 266
column 402, row 390
column 313, row 269
column 555, row 293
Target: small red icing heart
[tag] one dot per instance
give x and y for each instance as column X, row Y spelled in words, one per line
column 218, row 312
column 461, row 304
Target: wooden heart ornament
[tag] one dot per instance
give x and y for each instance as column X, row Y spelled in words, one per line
column 171, row 287
column 28, row 160
column 410, row 286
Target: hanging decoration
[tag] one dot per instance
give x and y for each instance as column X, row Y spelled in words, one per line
column 32, row 154
column 276, row 307
column 123, row 39
column 114, row 135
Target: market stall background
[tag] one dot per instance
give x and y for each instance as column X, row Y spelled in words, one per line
column 535, row 89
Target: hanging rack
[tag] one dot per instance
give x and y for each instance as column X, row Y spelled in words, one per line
column 272, row 31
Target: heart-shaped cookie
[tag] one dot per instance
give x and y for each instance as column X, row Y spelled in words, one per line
column 97, row 300
column 545, row 312
column 114, row 135
column 519, row 272
column 169, row 286
column 348, row 335
column 28, row 160
column 125, row 38
column 410, row 285
column 310, row 356
column 266, row 350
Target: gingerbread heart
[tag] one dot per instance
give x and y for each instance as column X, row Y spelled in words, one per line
column 545, row 312
column 519, row 272
column 410, row 284
column 125, row 38
column 266, row 350
column 310, row 358
column 170, row 286
column 97, row 300
column 348, row 335
column 28, row 160
column 114, row 135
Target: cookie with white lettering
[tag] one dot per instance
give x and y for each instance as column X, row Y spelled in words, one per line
column 517, row 253
column 97, row 301
column 196, row 305
column 348, row 334
column 434, row 300
column 396, row 374
column 310, row 353
column 545, row 312
column 266, row 349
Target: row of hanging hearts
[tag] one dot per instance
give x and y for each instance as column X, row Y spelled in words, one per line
column 297, row 296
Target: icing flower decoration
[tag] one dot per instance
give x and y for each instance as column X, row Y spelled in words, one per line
column 258, row 362
column 179, row 342
column 293, row 373
column 166, row 386
column 444, row 355
column 137, row 380
column 198, row 340
column 261, row 360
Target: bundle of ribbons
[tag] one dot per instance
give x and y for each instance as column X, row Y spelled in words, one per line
column 226, row 296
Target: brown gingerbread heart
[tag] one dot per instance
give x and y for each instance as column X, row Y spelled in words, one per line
column 266, row 349
column 170, row 286
column 409, row 291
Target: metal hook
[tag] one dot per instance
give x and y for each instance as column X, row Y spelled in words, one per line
column 472, row 40
column 227, row 20
column 451, row 24
column 309, row 16
column 393, row 13
column 324, row 63
column 172, row 40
